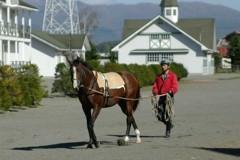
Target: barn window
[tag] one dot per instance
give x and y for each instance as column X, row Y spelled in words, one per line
column 153, row 57
column 157, row 57
column 168, row 12
column 160, row 41
column 204, row 62
column 174, row 12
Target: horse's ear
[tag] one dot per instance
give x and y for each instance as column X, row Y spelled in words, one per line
column 78, row 59
column 69, row 58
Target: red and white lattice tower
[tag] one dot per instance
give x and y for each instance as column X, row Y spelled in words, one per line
column 61, row 17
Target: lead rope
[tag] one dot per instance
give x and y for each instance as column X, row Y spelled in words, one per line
column 130, row 99
column 169, row 110
column 169, row 107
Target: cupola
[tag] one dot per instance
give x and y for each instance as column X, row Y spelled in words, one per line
column 169, row 10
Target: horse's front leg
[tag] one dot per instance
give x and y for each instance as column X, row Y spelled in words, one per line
column 91, row 118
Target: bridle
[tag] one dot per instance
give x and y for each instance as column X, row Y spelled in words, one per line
column 77, row 83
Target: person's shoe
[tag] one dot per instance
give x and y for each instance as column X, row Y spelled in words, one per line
column 159, row 117
column 167, row 135
column 168, row 131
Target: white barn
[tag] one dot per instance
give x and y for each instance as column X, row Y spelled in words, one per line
column 187, row 41
column 48, row 50
column 20, row 45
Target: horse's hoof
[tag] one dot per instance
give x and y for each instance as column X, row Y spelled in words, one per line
column 97, row 144
column 139, row 141
column 89, row 146
column 121, row 142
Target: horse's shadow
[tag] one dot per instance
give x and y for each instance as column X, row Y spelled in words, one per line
column 75, row 145
column 67, row 145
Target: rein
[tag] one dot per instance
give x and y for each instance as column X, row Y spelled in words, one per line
column 112, row 96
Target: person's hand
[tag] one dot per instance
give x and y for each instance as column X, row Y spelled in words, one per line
column 170, row 93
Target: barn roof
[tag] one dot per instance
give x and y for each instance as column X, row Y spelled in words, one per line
column 202, row 30
column 61, row 41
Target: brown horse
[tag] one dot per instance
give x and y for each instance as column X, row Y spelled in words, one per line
column 93, row 99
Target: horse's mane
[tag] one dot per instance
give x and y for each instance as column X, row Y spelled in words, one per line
column 80, row 60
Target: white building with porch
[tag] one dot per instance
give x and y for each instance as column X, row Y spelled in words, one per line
column 15, row 31
column 20, row 44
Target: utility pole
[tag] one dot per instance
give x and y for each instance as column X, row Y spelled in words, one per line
column 61, row 17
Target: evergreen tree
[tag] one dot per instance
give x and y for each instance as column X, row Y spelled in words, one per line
column 92, row 54
column 234, row 50
column 217, row 61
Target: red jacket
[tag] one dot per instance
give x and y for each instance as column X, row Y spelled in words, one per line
column 169, row 85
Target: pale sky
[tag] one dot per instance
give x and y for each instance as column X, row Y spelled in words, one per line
column 235, row 4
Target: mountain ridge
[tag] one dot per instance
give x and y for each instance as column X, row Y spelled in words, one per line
column 111, row 17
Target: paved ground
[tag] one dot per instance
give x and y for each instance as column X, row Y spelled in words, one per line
column 206, row 127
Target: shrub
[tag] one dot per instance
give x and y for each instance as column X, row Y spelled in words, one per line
column 113, row 67
column 10, row 88
column 63, row 81
column 179, row 70
column 31, row 87
column 20, row 86
column 96, row 65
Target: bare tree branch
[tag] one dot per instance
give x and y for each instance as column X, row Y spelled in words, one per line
column 88, row 20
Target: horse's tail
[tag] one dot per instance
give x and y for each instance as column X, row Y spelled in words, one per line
column 136, row 102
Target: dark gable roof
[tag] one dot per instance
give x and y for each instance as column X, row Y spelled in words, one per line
column 230, row 35
column 131, row 26
column 201, row 30
column 61, row 41
column 76, row 40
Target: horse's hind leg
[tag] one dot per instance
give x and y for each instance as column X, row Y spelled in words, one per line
column 127, row 109
column 136, row 130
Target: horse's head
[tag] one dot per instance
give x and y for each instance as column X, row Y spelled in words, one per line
column 80, row 72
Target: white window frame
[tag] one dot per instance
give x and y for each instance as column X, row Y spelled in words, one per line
column 153, row 58
column 168, row 12
column 158, row 41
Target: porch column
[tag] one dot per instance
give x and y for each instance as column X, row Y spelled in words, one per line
column 7, row 56
column 23, row 25
column 1, row 20
column 8, row 53
column 29, row 25
column 16, row 23
column 1, row 52
column 23, row 51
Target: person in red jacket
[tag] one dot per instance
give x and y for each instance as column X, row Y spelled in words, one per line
column 165, row 83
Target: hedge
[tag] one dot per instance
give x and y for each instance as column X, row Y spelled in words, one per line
column 20, row 86
column 145, row 74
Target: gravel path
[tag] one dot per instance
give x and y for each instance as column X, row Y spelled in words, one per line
column 206, row 127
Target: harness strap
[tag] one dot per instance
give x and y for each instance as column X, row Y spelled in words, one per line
column 106, row 88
